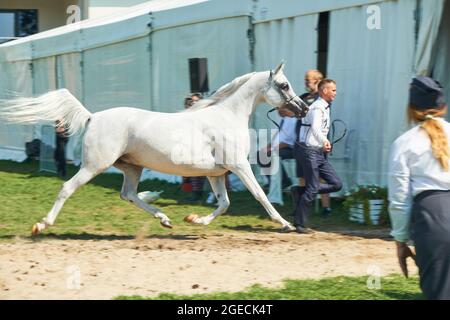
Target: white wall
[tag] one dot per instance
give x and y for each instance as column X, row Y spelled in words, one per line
column 101, row 8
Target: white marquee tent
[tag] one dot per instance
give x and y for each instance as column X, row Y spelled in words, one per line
column 140, row 58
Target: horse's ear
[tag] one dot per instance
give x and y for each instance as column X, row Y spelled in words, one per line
column 280, row 67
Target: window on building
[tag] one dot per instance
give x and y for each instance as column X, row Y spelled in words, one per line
column 322, row 39
column 17, row 23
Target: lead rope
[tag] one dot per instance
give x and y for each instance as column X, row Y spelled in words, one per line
column 268, row 117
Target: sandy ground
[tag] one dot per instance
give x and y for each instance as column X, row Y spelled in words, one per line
column 110, row 266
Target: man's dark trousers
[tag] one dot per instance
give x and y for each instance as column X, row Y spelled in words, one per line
column 284, row 154
column 315, row 166
column 60, row 154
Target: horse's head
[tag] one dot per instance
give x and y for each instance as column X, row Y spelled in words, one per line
column 279, row 93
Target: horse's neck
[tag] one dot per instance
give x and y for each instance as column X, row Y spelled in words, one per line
column 244, row 100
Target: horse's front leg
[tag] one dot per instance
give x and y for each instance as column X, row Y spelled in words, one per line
column 220, row 191
column 244, row 171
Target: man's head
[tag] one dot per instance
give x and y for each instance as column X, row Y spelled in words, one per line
column 312, row 79
column 327, row 90
column 191, row 99
column 196, row 96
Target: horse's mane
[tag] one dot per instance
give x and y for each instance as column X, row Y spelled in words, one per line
column 222, row 93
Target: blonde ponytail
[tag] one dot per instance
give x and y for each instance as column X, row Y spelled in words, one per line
column 435, row 130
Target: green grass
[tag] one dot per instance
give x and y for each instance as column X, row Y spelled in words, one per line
column 393, row 287
column 96, row 211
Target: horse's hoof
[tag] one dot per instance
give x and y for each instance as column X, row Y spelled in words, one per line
column 287, row 229
column 191, row 218
column 166, row 224
column 35, row 230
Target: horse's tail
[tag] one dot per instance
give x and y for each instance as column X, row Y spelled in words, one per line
column 58, row 105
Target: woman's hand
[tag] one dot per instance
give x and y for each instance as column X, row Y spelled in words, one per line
column 403, row 252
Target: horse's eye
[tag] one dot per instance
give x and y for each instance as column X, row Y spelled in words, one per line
column 284, row 86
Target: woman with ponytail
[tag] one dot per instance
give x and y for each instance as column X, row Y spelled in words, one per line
column 419, row 189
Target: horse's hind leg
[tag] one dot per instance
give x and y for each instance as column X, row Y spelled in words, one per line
column 83, row 176
column 220, row 191
column 132, row 174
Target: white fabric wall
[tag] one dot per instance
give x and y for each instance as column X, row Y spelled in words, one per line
column 15, row 79
column 431, row 13
column 373, row 70
column 14, row 51
column 69, row 74
column 223, row 42
column 44, row 74
column 291, row 39
column 267, row 10
column 117, row 75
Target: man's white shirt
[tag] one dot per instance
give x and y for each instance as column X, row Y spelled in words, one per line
column 316, row 124
column 286, row 134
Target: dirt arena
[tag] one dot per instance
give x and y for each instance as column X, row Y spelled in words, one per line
column 107, row 267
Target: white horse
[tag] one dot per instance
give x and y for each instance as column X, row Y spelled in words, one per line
column 131, row 139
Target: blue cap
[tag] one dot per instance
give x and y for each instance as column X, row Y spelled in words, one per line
column 426, row 93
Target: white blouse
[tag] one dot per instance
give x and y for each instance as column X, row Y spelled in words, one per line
column 412, row 169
